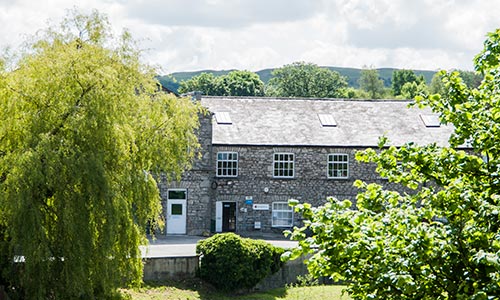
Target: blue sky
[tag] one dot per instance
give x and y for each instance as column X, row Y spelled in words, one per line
column 187, row 35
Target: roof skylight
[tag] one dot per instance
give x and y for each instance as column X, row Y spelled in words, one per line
column 430, row 120
column 327, row 120
column 223, row 117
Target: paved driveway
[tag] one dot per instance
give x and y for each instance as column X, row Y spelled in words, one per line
column 183, row 245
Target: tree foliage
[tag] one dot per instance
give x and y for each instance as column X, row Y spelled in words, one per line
column 410, row 90
column 302, row 79
column 83, row 128
column 442, row 239
column 235, row 83
column 471, row 79
column 371, row 83
column 206, row 83
column 400, row 77
column 242, row 83
column 436, row 86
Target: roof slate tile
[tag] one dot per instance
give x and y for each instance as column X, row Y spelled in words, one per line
column 294, row 122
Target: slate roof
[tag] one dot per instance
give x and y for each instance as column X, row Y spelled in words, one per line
column 295, row 122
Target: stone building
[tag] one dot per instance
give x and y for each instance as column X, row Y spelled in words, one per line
column 257, row 153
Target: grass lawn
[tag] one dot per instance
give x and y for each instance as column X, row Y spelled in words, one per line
column 197, row 290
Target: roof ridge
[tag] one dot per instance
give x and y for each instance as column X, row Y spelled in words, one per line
column 305, row 99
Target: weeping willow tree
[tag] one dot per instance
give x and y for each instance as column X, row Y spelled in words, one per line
column 83, row 128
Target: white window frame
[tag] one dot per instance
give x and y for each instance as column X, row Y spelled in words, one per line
column 332, row 162
column 231, row 164
column 177, row 190
column 278, row 210
column 285, row 163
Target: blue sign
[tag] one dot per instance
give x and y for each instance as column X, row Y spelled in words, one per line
column 249, row 200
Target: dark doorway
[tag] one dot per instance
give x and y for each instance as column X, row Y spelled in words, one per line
column 228, row 216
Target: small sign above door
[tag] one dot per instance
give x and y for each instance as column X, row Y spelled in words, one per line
column 261, row 207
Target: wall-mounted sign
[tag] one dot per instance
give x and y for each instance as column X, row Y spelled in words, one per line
column 257, row 225
column 261, row 207
column 248, row 200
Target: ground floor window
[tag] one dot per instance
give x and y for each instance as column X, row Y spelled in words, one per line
column 282, row 214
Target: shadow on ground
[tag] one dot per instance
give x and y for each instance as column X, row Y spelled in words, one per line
column 205, row 291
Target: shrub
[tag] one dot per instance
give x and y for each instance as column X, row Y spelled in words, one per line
column 306, row 280
column 231, row 263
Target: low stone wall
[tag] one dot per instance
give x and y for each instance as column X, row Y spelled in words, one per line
column 167, row 268
column 164, row 268
column 286, row 275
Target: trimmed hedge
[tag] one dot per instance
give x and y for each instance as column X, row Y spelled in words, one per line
column 230, row 262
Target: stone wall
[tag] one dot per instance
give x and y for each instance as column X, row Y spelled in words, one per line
column 286, row 275
column 310, row 183
column 255, row 179
column 197, row 181
column 165, row 268
column 178, row 268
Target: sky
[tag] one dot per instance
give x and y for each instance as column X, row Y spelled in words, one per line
column 192, row 35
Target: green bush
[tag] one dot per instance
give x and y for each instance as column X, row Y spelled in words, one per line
column 232, row 263
column 305, row 280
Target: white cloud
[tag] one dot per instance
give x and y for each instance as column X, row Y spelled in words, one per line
column 426, row 59
column 219, row 13
column 184, row 35
column 24, row 18
column 365, row 14
column 468, row 24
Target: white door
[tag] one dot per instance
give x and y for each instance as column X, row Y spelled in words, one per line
column 218, row 216
column 176, row 211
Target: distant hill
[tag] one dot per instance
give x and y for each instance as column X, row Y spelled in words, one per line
column 173, row 80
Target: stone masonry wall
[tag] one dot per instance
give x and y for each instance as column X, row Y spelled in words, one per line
column 255, row 179
column 170, row 268
column 310, row 183
column 197, row 181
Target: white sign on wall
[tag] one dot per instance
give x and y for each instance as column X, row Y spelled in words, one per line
column 261, row 207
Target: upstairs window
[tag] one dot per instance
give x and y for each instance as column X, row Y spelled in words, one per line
column 227, row 164
column 284, row 165
column 338, row 166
